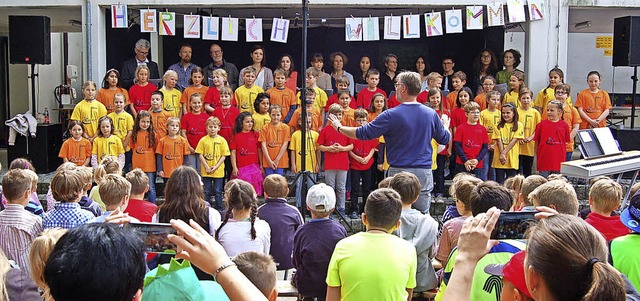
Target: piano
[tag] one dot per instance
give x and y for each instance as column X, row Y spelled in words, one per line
column 603, row 166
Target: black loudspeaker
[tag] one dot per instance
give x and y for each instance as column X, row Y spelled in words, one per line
column 627, row 138
column 626, row 41
column 30, row 40
column 42, row 150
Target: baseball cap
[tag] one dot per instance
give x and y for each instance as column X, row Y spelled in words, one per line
column 512, row 271
column 321, row 198
column 630, row 216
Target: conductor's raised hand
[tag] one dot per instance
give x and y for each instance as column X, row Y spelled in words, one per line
column 334, row 121
column 446, row 121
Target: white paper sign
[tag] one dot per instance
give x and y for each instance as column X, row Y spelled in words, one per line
column 148, row 20
column 392, row 27
column 119, row 17
column 254, row 29
column 433, row 24
column 453, row 20
column 229, row 29
column 210, row 28
column 280, row 30
column 516, row 11
column 192, row 26
column 411, row 26
column 474, row 17
column 536, row 10
column 495, row 14
column 370, row 29
column 353, row 29
column 167, row 24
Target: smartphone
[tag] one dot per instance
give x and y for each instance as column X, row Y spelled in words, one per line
column 155, row 236
column 513, row 225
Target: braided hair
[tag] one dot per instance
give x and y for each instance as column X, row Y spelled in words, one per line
column 240, row 195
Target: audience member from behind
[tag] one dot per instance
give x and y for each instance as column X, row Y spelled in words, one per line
column 260, row 269
column 85, row 202
column 283, row 219
column 556, row 194
column 604, row 197
column 419, row 229
column 34, row 205
column 98, row 261
column 523, row 201
column 314, row 243
column 108, row 165
column 484, row 286
column 567, row 260
column 115, row 191
column 67, row 187
column 50, row 200
column 18, row 227
column 514, row 285
column 463, row 186
column 41, row 248
column 351, row 274
column 15, row 284
column 624, row 249
column 242, row 230
column 138, row 207
column 184, row 200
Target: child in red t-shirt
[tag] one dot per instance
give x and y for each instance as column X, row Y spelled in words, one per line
column 140, row 93
column 336, row 164
column 360, row 162
column 470, row 142
column 551, row 137
column 227, row 112
column 434, row 97
column 246, row 152
column 212, row 98
column 458, row 117
column 342, row 83
column 138, row 207
column 365, row 95
column 604, row 198
column 193, row 128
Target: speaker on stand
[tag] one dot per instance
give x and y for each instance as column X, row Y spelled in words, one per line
column 626, row 51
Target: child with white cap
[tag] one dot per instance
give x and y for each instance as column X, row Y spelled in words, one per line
column 314, row 242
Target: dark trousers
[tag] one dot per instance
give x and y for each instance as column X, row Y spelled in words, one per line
column 438, row 175
column 526, row 165
column 503, row 174
column 356, row 188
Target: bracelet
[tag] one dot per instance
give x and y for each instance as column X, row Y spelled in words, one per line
column 222, row 267
column 339, row 127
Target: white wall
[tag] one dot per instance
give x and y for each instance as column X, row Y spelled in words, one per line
column 583, row 56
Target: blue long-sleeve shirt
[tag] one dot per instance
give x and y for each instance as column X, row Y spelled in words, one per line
column 408, row 130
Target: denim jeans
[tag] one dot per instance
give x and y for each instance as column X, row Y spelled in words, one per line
column 270, row 171
column 218, row 185
column 152, row 187
column 310, row 181
column 193, row 161
column 356, row 175
column 569, row 155
column 338, row 180
column 425, row 176
column 490, row 171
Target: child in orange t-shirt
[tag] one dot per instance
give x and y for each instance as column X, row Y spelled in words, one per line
column 378, row 105
column 593, row 104
column 316, row 116
column 111, row 85
column 171, row 150
column 158, row 115
column 283, row 96
column 274, row 138
column 344, row 100
column 488, row 84
column 197, row 76
column 570, row 115
column 458, row 80
column 143, row 142
column 76, row 149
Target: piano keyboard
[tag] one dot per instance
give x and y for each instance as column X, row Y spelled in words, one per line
column 586, row 169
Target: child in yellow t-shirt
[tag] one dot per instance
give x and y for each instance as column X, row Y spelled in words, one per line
column 507, row 134
column 171, row 99
column 106, row 144
column 246, row 93
column 212, row 149
column 312, row 156
column 529, row 117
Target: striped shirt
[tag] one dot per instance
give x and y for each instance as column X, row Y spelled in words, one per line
column 66, row 216
column 18, row 228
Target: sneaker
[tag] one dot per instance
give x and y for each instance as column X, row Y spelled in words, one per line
column 354, row 215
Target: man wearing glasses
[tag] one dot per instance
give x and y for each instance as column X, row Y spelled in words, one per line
column 447, row 71
column 407, row 130
column 218, row 62
column 128, row 70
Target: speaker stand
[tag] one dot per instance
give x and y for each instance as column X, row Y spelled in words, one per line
column 33, row 91
column 634, row 80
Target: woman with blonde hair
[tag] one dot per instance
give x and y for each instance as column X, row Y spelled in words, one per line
column 41, row 248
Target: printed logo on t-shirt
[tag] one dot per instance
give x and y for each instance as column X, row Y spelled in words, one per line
column 471, row 144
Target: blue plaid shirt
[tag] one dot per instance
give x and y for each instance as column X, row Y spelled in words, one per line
column 66, row 216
